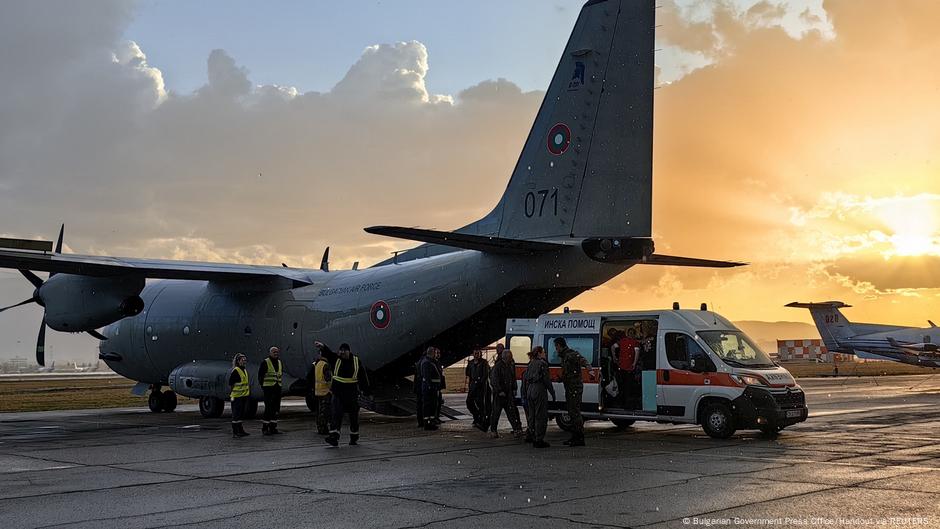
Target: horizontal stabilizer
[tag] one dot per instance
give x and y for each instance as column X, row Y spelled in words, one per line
column 820, row 304
column 669, row 260
column 466, row 241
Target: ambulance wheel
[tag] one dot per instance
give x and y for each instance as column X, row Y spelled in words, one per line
column 311, row 402
column 718, row 421
column 563, row 420
column 623, row 423
column 168, row 400
column 251, row 409
column 155, row 402
column 211, row 407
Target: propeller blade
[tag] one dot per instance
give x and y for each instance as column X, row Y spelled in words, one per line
column 41, row 343
column 97, row 335
column 30, row 300
column 58, row 243
column 32, row 278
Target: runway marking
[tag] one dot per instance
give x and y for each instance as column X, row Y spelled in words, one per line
column 874, row 408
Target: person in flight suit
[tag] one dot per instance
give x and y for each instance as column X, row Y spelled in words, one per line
column 440, row 392
column 270, row 373
column 431, row 380
column 503, row 380
column 241, row 391
column 318, row 378
column 348, row 379
column 571, row 365
column 536, row 386
column 478, row 376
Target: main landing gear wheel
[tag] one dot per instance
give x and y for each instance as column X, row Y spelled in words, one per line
column 168, row 401
column 311, row 402
column 623, row 423
column 251, row 409
column 211, row 407
column 563, row 420
column 155, row 401
column 717, row 420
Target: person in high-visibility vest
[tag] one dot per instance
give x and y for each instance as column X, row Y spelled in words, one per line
column 241, row 390
column 349, row 376
column 269, row 373
column 319, row 380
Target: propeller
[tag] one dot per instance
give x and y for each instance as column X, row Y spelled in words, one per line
column 37, row 282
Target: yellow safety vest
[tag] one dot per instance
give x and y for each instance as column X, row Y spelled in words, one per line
column 347, row 380
column 241, row 389
column 272, row 377
column 321, row 386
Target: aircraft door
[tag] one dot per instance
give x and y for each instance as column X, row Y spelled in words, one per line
column 291, row 339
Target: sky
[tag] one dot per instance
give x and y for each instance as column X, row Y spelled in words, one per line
column 800, row 137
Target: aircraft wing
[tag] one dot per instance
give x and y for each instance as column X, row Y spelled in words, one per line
column 670, row 260
column 102, row 266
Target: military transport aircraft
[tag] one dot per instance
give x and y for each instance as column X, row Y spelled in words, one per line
column 909, row 345
column 576, row 213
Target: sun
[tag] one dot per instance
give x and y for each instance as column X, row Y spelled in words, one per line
column 914, row 227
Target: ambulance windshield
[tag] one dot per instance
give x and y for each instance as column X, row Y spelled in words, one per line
column 736, row 349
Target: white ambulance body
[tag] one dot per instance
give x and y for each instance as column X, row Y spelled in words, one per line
column 676, row 366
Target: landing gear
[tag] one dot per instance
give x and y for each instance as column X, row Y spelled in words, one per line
column 168, row 400
column 155, row 401
column 311, row 402
column 251, row 409
column 211, row 407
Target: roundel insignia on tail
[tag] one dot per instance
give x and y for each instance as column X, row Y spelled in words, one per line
column 559, row 138
column 380, row 315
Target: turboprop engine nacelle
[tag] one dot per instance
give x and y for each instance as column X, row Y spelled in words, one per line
column 77, row 303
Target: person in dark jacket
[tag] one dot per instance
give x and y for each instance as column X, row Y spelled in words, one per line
column 478, row 379
column 572, row 364
column 440, row 392
column 431, row 380
column 536, row 386
column 241, row 392
column 270, row 374
column 349, row 377
column 503, row 381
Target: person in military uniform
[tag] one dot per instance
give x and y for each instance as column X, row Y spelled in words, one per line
column 571, row 365
column 270, row 373
column 241, row 390
column 536, row 386
column 347, row 380
column 503, row 380
column 478, row 376
column 431, row 381
column 318, row 378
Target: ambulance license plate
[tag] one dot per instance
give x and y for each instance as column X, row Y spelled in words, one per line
column 794, row 413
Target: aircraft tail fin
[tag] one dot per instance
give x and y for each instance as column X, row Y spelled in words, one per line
column 831, row 324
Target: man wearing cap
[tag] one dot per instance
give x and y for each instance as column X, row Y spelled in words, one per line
column 269, row 373
column 348, row 379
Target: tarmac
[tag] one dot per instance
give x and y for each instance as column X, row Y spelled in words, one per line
column 869, row 455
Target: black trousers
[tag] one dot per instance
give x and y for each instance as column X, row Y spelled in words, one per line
column 345, row 403
column 324, row 413
column 272, row 403
column 419, row 407
column 238, row 408
column 430, row 402
column 476, row 402
column 507, row 403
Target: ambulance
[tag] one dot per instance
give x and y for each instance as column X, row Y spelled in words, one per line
column 669, row 366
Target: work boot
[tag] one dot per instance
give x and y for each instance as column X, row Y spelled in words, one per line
column 332, row 439
column 241, row 430
column 577, row 441
column 265, row 429
column 430, row 427
column 353, row 439
column 273, row 429
column 235, row 431
column 540, row 444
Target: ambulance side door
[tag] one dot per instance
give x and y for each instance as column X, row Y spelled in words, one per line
column 679, row 383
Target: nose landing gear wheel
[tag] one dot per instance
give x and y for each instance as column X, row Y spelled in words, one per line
column 155, row 401
column 211, row 407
